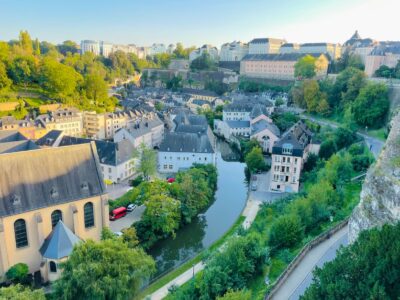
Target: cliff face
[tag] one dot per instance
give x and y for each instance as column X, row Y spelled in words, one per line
column 380, row 195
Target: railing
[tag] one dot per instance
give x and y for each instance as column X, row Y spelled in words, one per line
column 299, row 257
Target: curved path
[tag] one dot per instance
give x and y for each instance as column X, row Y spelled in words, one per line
column 301, row 277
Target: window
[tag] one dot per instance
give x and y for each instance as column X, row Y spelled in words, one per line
column 109, row 170
column 288, row 159
column 170, row 167
column 295, row 160
column 21, row 237
column 287, row 148
column 55, row 217
column 165, row 167
column 53, row 267
column 89, row 215
column 283, row 159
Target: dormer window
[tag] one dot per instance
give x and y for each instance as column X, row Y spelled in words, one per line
column 53, row 192
column 287, row 148
column 15, row 200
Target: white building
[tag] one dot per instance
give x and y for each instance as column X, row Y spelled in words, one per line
column 157, row 49
column 234, row 51
column 211, row 50
column 180, row 150
column 90, row 46
column 106, row 48
column 171, row 48
column 265, row 45
column 288, row 156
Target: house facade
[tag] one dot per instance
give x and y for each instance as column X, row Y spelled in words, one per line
column 211, row 50
column 234, row 51
column 265, row 45
column 58, row 184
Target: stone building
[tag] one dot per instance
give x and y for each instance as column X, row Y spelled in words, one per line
column 56, row 184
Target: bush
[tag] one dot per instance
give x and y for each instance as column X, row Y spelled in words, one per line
column 286, row 232
column 361, row 162
column 18, row 273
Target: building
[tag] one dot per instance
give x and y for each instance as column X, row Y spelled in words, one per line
column 90, row 46
column 171, row 48
column 211, row 50
column 359, row 46
column 68, row 120
column 57, row 184
column 266, row 133
column 234, row 51
column 157, row 49
column 288, row 156
column 117, row 160
column 106, row 48
column 333, row 50
column 289, row 48
column 265, row 45
column 278, row 66
column 147, row 130
column 180, row 150
column 386, row 54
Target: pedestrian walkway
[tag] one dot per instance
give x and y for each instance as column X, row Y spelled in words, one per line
column 317, row 255
column 250, row 212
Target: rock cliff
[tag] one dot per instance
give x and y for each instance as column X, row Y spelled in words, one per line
column 380, row 195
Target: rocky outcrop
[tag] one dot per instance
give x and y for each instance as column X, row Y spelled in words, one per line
column 380, row 195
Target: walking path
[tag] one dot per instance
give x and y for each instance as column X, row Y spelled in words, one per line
column 301, row 277
column 250, row 212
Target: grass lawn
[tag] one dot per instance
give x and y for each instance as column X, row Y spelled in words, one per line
column 159, row 283
column 34, row 102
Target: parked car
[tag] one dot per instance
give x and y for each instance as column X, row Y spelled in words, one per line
column 131, row 207
column 171, row 180
column 118, row 233
column 118, row 213
column 254, row 186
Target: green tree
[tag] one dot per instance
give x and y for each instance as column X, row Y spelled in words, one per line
column 174, row 83
column 204, row 62
column 129, row 237
column 19, row 292
column 286, row 232
column 148, row 161
column 162, row 213
column 372, row 105
column 95, row 87
column 18, row 273
column 305, row 67
column 103, row 270
column 311, row 94
column 68, row 46
column 60, row 80
column 159, row 106
column 236, row 295
column 23, row 70
column 5, row 82
column 4, row 51
column 367, row 269
column 25, row 42
column 255, row 160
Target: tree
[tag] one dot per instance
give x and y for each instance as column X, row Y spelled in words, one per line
column 60, row 80
column 372, row 105
column 103, row 270
column 162, row 214
column 19, row 292
column 23, row 70
column 367, row 269
column 129, row 237
column 311, row 94
column 255, row 160
column 347, row 86
column 236, row 295
column 95, row 87
column 159, row 106
column 5, row 82
column 305, row 67
column 174, row 83
column 286, row 232
column 148, row 161
column 204, row 62
column 68, row 46
column 4, row 51
column 25, row 42
column 18, row 273
column 46, row 47
column 385, row 71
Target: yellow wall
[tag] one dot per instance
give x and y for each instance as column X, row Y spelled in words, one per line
column 38, row 224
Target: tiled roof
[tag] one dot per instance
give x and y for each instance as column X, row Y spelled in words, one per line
column 17, row 146
column 11, row 136
column 263, row 124
column 48, row 177
column 266, row 40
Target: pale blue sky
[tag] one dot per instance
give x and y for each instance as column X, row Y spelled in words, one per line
column 195, row 22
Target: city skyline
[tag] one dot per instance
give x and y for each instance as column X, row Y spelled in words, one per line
column 199, row 22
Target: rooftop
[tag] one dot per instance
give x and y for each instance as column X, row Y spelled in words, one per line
column 278, row 57
column 186, row 142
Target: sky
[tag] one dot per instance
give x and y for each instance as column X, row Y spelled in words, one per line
column 198, row 22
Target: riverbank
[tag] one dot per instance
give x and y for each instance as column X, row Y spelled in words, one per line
column 178, row 277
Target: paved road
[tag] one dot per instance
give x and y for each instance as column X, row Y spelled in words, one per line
column 374, row 144
column 250, row 212
column 117, row 190
column 300, row 278
column 128, row 220
column 329, row 255
column 262, row 193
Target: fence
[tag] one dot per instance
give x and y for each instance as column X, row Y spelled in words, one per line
column 296, row 261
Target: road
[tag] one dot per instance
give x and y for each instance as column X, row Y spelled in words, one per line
column 374, row 144
column 128, row 220
column 250, row 212
column 262, row 193
column 117, row 190
column 301, row 277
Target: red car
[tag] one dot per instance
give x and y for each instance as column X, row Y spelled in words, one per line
column 118, row 213
column 171, row 180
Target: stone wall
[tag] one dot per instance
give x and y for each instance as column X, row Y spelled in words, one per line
column 380, row 195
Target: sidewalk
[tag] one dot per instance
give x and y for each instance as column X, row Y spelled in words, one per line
column 319, row 254
column 250, row 212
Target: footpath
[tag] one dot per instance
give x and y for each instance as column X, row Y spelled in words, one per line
column 250, row 212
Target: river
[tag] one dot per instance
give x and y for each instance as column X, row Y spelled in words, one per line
column 230, row 199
